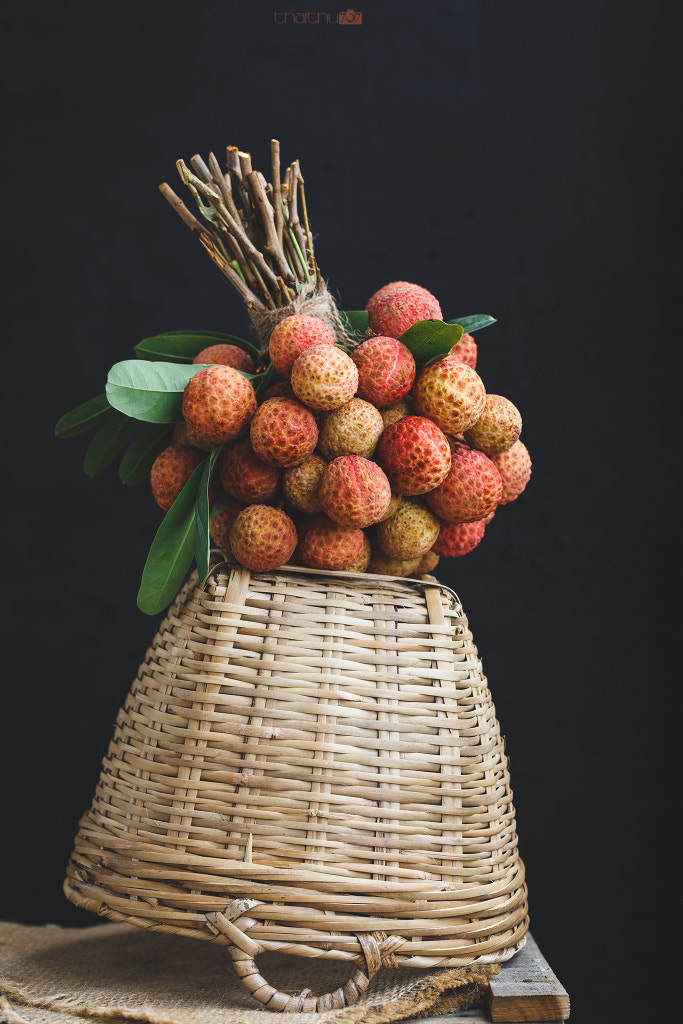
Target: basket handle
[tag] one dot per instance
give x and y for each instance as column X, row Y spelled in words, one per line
column 378, row 950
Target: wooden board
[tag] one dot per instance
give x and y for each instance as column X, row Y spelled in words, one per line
column 525, row 990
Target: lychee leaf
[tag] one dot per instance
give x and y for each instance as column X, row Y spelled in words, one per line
column 83, row 417
column 473, row 323
column 136, row 464
column 202, row 514
column 152, row 392
column 183, row 346
column 172, row 550
column 109, row 440
column 431, row 339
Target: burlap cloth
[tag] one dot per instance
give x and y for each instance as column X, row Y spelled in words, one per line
column 52, row 975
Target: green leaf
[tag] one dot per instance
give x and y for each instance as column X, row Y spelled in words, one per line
column 473, row 323
column 172, row 550
column 262, row 381
column 431, row 339
column 183, row 346
column 83, row 417
column 109, row 440
column 152, row 392
column 355, row 323
column 202, row 514
column 137, row 462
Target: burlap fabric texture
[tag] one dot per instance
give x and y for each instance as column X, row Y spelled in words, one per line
column 114, row 972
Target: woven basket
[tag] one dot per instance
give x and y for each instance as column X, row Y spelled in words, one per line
column 311, row 763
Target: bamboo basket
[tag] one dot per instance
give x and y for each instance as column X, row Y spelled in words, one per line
column 310, row 762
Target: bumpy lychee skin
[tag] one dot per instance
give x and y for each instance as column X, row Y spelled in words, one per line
column 465, row 351
column 226, row 355
column 410, row 532
column 415, row 454
column 183, row 435
column 382, row 565
column 362, row 560
column 394, row 505
column 450, row 393
column 292, row 336
column 394, row 312
column 354, row 491
column 386, row 370
column 246, row 477
column 396, row 412
column 220, row 526
column 498, row 427
column 283, row 432
column 428, row 562
column 352, row 429
column 457, row 539
column 391, row 288
column 171, row 470
column 324, row 377
column 514, row 466
column 300, row 484
column 262, row 538
column 218, row 404
column 472, row 489
column 326, row 545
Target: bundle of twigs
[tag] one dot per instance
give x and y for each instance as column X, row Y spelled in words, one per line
column 257, row 233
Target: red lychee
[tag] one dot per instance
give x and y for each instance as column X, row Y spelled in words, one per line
column 262, row 538
column 514, row 466
column 226, row 355
column 392, row 288
column 386, row 370
column 300, row 484
column 450, row 393
column 497, row 428
column 183, row 435
column 354, row 491
column 292, row 336
column 171, row 470
column 456, row 539
column 362, row 560
column 283, row 432
column 464, row 351
column 396, row 310
column 352, row 429
column 410, row 532
column 323, row 377
column 218, row 403
column 220, row 525
column 326, row 545
column 246, row 477
column 415, row 454
column 396, row 412
column 472, row 489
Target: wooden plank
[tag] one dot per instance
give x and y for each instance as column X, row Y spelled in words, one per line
column 527, row 990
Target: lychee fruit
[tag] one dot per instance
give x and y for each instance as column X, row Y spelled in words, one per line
column 183, row 435
column 514, row 467
column 464, row 351
column 394, row 504
column 327, row 545
column 300, row 484
column 283, row 432
column 354, row 491
column 428, row 562
column 497, row 428
column 386, row 370
column 352, row 429
column 226, row 355
column 292, row 336
column 410, row 532
column 450, row 393
column 246, row 477
column 220, row 525
column 323, row 377
column 262, row 538
column 396, row 412
column 472, row 489
column 362, row 560
column 415, row 454
column 382, row 565
column 281, row 389
column 171, row 470
column 391, row 288
column 218, row 403
column 393, row 312
column 456, row 539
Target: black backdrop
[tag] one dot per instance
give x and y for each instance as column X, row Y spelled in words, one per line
column 516, row 158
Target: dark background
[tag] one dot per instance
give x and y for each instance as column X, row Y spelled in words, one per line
column 516, row 158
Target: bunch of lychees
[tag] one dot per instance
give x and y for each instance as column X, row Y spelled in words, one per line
column 355, row 459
